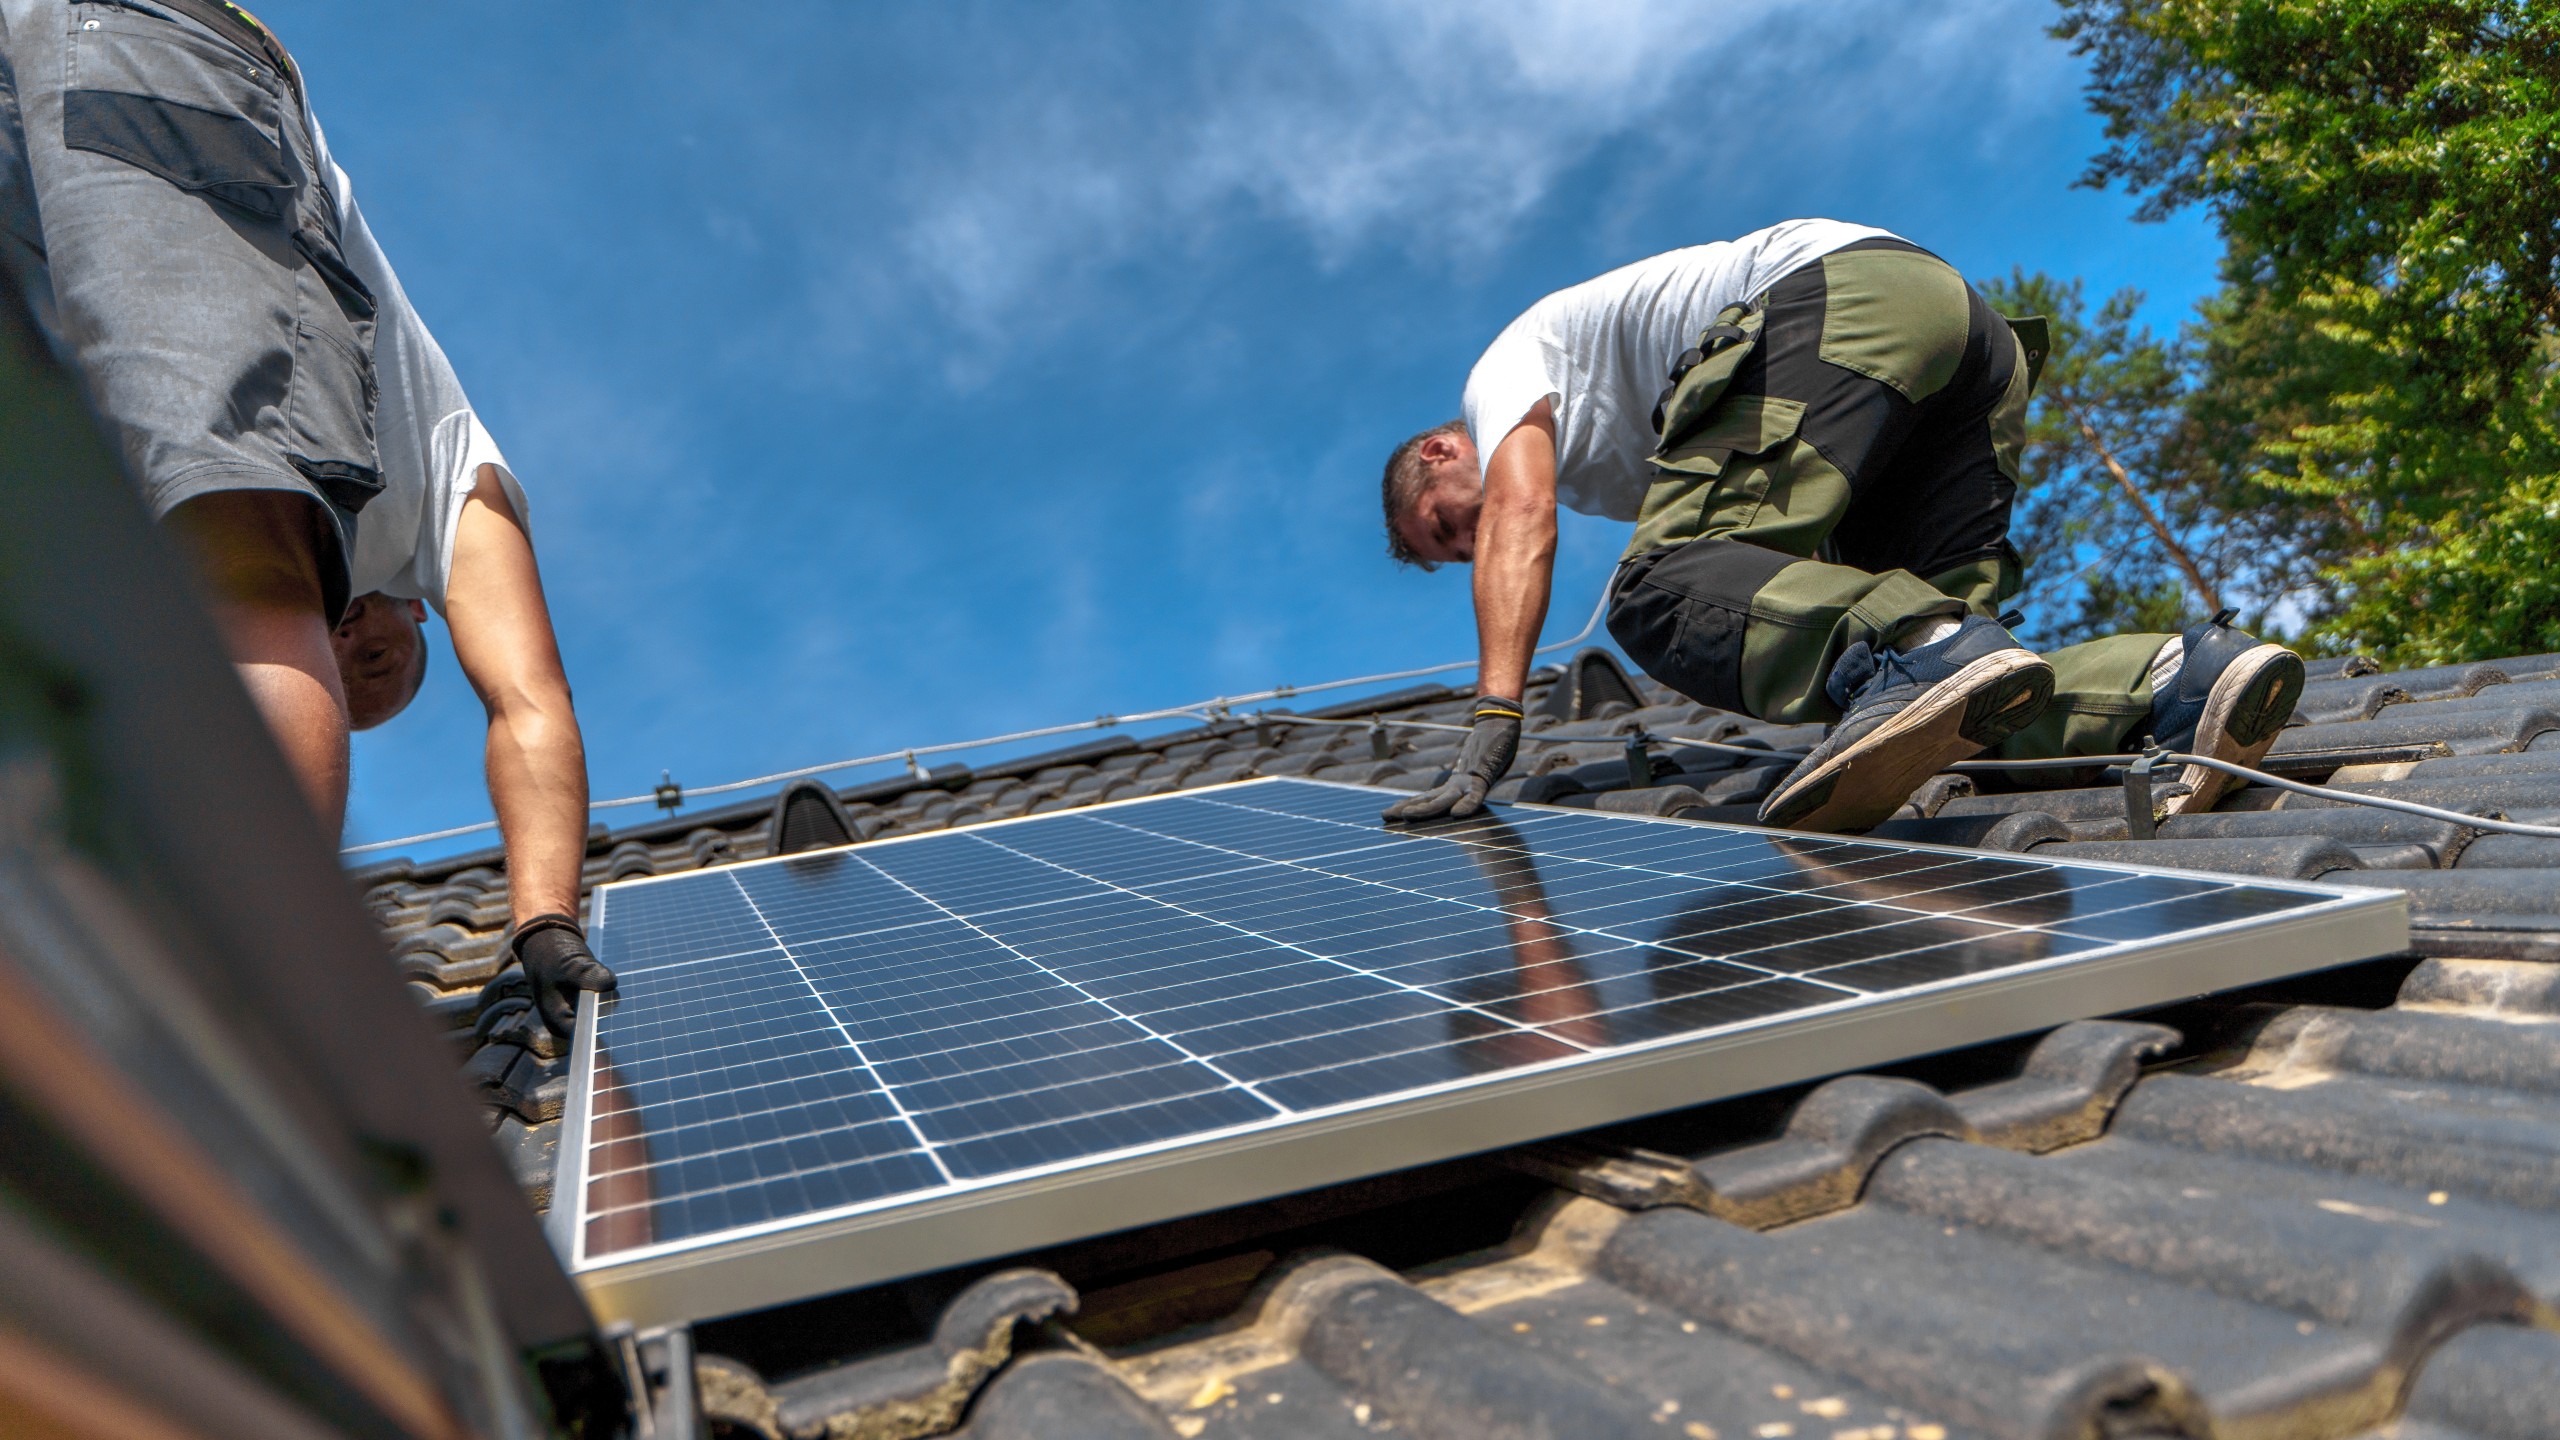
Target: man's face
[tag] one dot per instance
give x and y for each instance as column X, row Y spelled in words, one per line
column 1440, row 525
column 381, row 657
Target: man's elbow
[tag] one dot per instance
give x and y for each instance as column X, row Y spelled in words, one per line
column 538, row 701
column 1523, row 523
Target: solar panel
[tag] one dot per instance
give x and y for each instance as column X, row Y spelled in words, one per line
column 847, row 1066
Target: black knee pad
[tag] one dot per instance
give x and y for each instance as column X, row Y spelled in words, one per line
column 1680, row 613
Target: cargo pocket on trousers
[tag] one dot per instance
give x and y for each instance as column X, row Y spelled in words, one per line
column 1702, row 374
column 332, row 411
column 191, row 110
column 1700, row 490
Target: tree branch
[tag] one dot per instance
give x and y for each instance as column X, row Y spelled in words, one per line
column 2178, row 554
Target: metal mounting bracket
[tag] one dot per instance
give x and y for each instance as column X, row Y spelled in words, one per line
column 1639, row 761
column 2141, row 821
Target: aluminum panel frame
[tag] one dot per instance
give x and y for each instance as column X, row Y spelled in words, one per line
column 898, row 1237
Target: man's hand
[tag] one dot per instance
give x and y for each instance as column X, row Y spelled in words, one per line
column 1489, row 748
column 557, row 964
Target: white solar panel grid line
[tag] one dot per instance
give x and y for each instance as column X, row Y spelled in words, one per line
column 898, row 1106
column 1224, row 1080
column 1444, row 998
column 1250, row 862
column 1602, row 931
column 776, row 936
column 1106, row 1004
column 1437, row 1000
column 1889, row 909
column 723, row 1119
column 836, row 1007
column 1313, row 954
column 1950, row 859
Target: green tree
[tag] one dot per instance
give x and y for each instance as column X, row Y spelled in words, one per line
column 2132, row 512
column 2386, row 175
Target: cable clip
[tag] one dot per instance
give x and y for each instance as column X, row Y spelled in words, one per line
column 669, row 793
column 1639, row 761
column 1380, row 747
column 915, row 770
column 2141, row 821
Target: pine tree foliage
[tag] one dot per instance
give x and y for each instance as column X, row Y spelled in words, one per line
column 2385, row 352
column 2133, row 514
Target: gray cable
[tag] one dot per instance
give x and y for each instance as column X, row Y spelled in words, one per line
column 2070, row 762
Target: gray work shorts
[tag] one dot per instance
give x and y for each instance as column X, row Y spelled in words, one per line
column 161, row 208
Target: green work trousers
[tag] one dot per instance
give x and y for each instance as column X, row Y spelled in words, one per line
column 1838, row 464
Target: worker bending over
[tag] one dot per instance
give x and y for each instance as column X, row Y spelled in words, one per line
column 1816, row 430
column 170, row 209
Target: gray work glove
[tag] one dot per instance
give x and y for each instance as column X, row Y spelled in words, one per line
column 557, row 965
column 1489, row 748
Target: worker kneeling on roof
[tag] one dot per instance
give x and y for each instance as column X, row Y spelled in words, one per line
column 1815, row 429
column 170, row 209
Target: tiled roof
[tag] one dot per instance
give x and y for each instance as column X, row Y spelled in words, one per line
column 2278, row 1219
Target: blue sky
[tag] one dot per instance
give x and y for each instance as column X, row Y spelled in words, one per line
column 889, row 374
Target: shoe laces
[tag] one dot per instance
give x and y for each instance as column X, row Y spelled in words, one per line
column 1861, row 668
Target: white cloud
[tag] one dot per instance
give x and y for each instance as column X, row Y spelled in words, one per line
column 1428, row 127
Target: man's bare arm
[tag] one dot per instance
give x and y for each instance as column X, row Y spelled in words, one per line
column 1515, row 553
column 537, row 762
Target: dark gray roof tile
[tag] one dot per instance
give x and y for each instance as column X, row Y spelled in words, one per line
column 2495, row 1382
column 2291, row 857
column 2445, row 681
column 2270, row 1248
column 1358, row 772
column 1060, row 1393
column 2329, row 702
column 2005, row 830
column 2510, row 852
column 2523, row 669
column 2089, row 804
column 2462, row 731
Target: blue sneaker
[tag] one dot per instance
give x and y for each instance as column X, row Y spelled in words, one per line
column 1905, row 716
column 2231, row 698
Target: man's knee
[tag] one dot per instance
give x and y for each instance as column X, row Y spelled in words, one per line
column 1681, row 614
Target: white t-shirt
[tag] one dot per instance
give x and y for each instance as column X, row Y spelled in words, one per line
column 1602, row 351
column 432, row 445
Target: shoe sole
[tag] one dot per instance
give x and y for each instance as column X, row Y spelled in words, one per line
column 1961, row 716
column 2242, row 717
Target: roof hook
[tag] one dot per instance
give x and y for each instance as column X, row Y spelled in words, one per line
column 2141, row 822
column 1639, row 761
column 1380, row 747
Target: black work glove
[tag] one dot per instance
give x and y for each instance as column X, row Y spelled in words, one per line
column 557, row 964
column 1490, row 746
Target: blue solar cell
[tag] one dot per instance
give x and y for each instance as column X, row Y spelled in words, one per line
column 905, row 1019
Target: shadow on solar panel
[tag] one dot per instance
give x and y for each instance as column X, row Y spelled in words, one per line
column 849, row 1066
